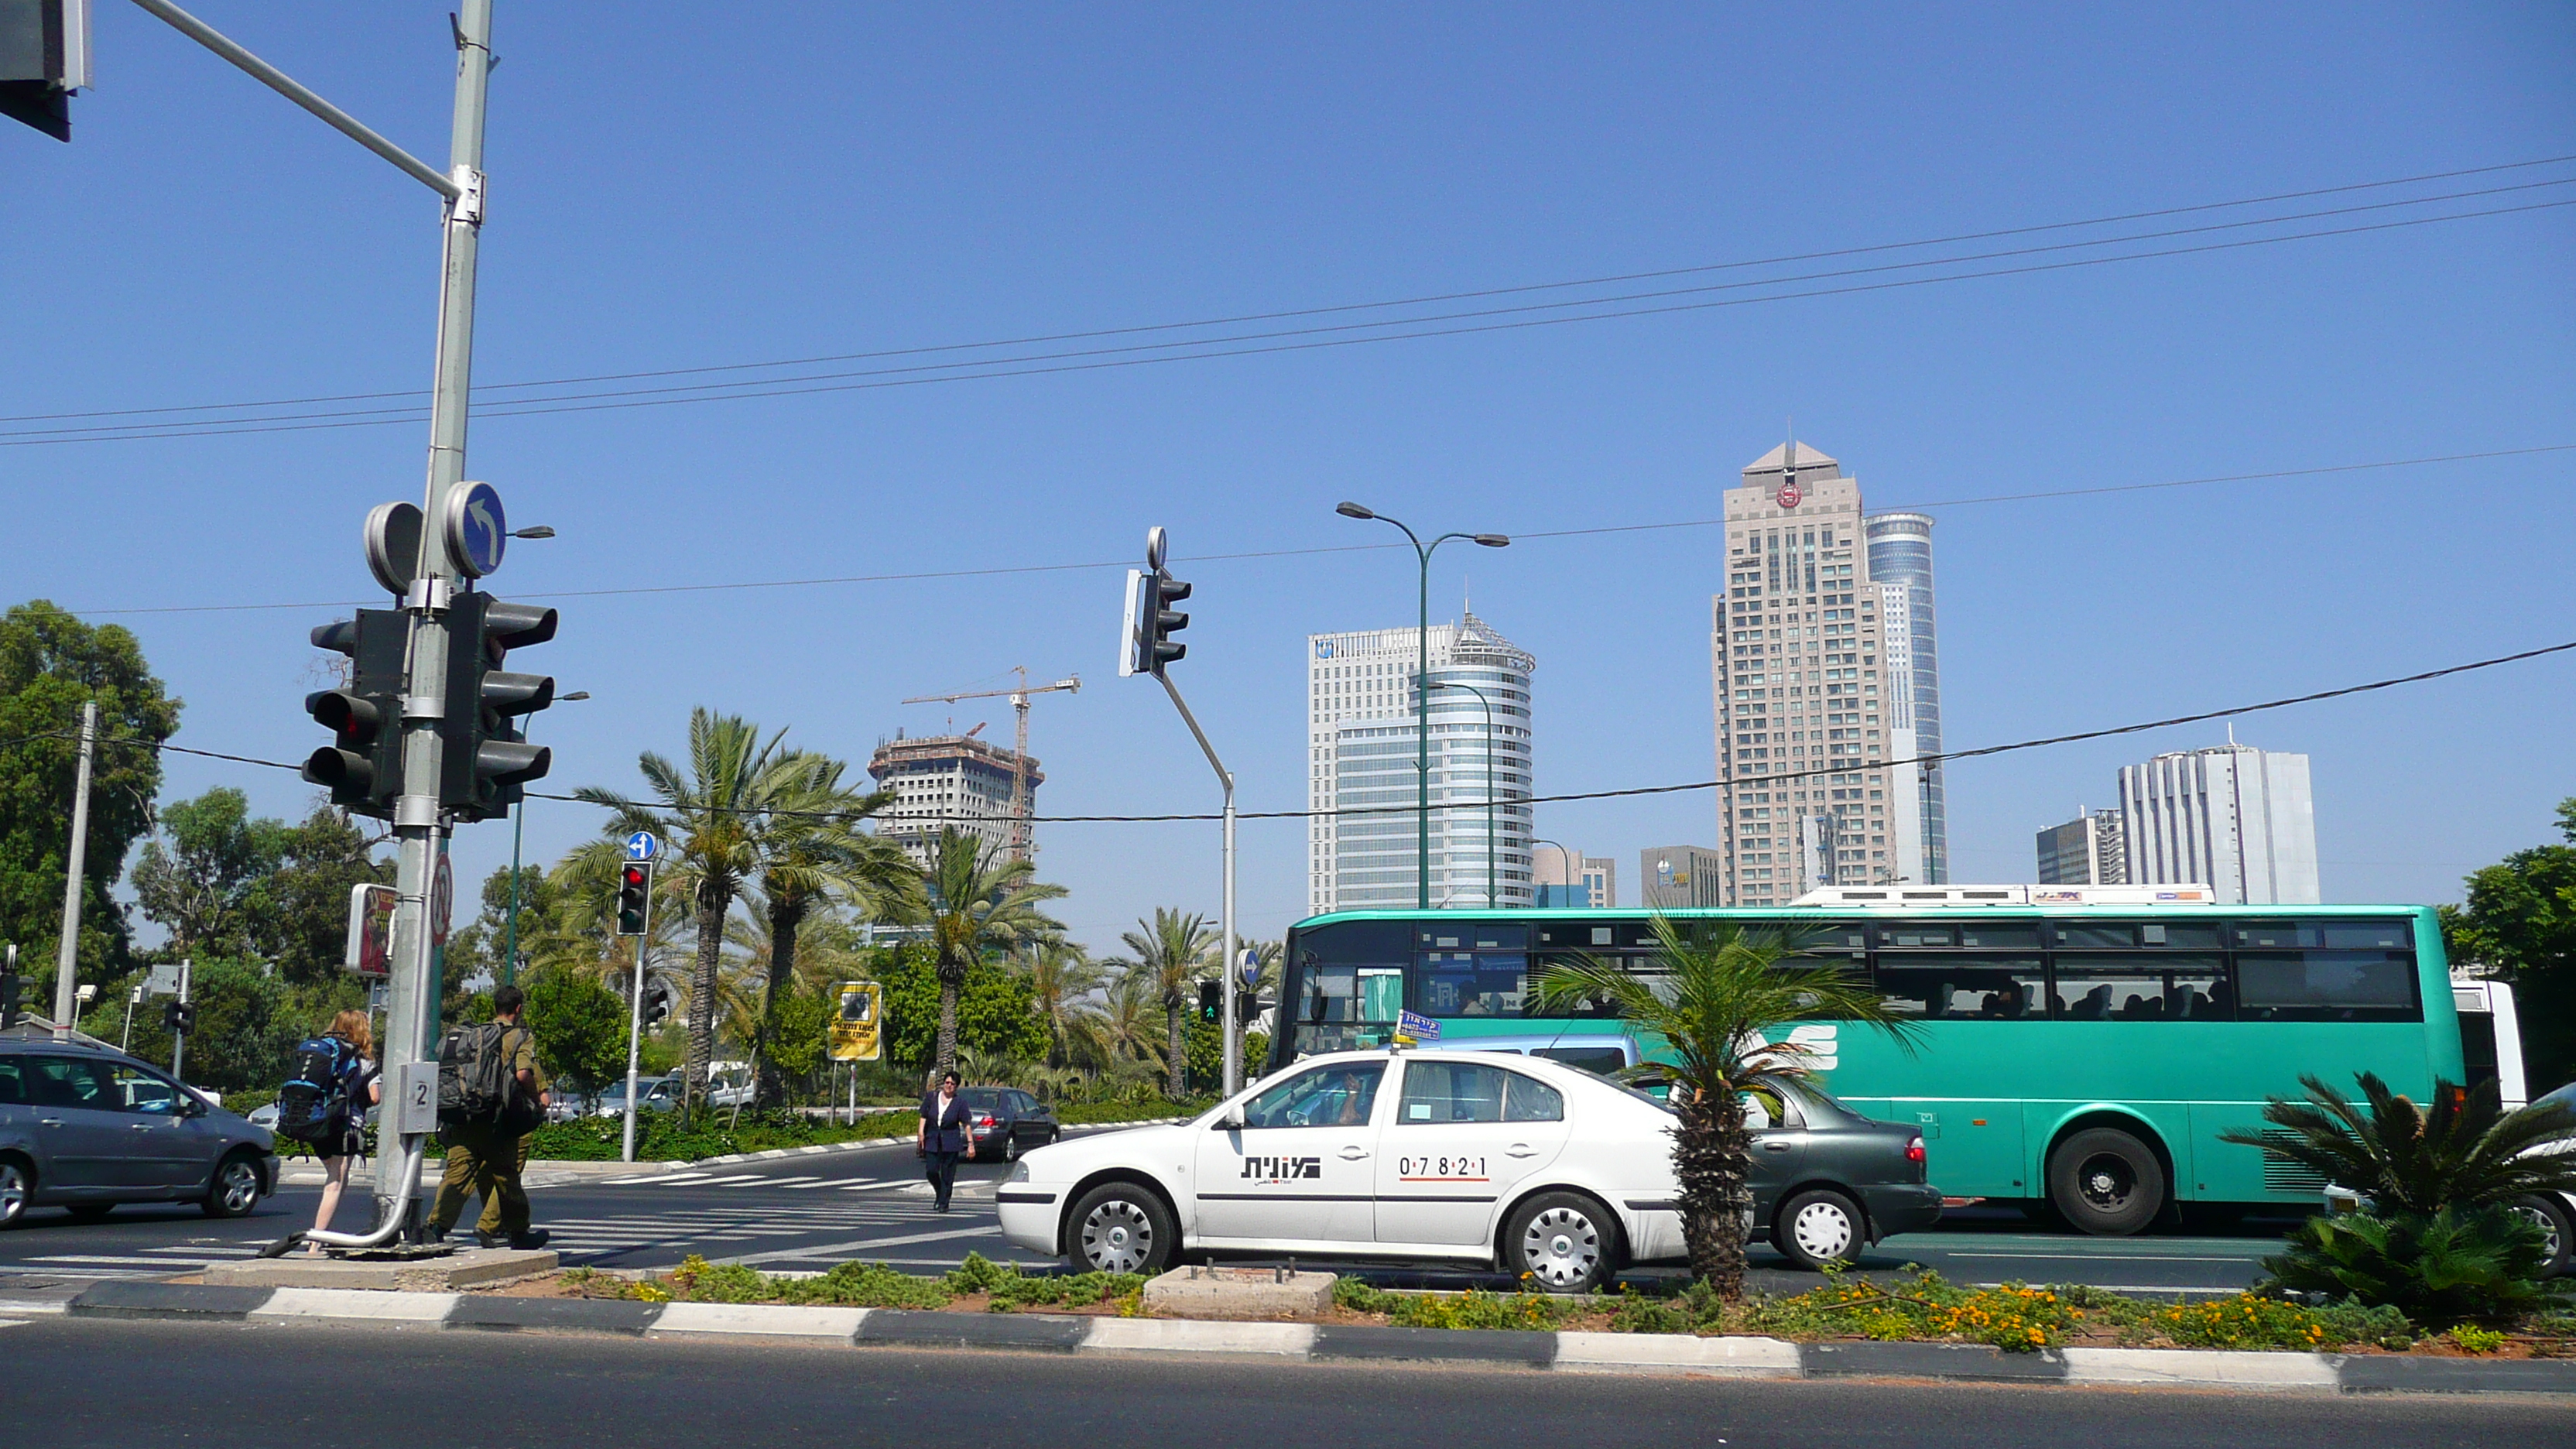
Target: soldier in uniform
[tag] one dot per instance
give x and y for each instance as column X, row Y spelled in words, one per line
column 487, row 1157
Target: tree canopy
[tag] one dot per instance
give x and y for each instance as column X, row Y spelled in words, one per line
column 2520, row 923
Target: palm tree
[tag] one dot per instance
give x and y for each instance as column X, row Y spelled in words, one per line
column 2467, row 1152
column 975, row 899
column 1062, row 978
column 1127, row 1019
column 817, row 853
column 715, row 822
column 1171, row 951
column 1722, row 988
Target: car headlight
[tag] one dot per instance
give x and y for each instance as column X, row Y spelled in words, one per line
column 1019, row 1173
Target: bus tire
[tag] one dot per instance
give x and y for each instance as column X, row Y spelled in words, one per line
column 2106, row 1182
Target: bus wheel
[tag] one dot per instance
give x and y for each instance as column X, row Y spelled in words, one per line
column 2106, row 1182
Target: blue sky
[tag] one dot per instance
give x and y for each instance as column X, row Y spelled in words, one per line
column 836, row 179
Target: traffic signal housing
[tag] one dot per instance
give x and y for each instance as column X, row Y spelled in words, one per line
column 487, row 762
column 11, row 987
column 1162, row 621
column 634, row 898
column 1211, row 1002
column 44, row 57
column 179, row 1016
column 657, row 1003
column 362, row 766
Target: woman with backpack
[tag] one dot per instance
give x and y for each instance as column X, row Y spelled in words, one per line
column 360, row 1089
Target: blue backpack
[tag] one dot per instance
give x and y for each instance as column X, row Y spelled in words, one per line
column 313, row 1105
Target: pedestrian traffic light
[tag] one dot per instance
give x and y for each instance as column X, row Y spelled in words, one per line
column 657, row 1003
column 44, row 57
column 487, row 762
column 634, row 898
column 362, row 765
column 1162, row 621
column 1211, row 1002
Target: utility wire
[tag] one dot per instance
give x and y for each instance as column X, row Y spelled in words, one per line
column 1425, row 300
column 1723, row 783
column 1273, row 553
column 1205, row 349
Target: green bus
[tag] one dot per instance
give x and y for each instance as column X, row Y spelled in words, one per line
column 2084, row 1056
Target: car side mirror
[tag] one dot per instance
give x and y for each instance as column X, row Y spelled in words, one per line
column 1233, row 1114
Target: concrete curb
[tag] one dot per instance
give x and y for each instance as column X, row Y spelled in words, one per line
column 1649, row 1353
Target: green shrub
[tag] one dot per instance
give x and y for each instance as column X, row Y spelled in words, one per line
column 1474, row 1309
column 1359, row 1297
column 2457, row 1265
column 2246, row 1320
column 728, row 1283
column 1011, row 1289
column 864, row 1285
column 2349, row 1322
column 2012, row 1317
column 2477, row 1340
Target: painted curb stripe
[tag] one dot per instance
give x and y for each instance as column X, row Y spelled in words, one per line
column 760, row 1320
column 143, row 1298
column 2377, row 1373
column 1047, row 1333
column 24, row 1307
column 1337, row 1340
column 1929, row 1361
column 595, row 1315
column 346, row 1303
column 2222, row 1368
column 1770, row 1358
column 1166, row 1335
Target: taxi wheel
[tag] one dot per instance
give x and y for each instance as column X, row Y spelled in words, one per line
column 1818, row 1229
column 1119, row 1227
column 235, row 1189
column 1561, row 1242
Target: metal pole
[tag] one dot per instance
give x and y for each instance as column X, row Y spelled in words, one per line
column 411, row 1021
column 1422, row 732
column 125, row 1039
column 1233, row 1055
column 635, row 1034
column 179, row 1039
column 67, row 953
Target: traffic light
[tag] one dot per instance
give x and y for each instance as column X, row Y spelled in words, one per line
column 363, row 763
column 1162, row 621
column 634, row 898
column 44, row 57
column 657, row 1003
column 1211, row 1002
column 179, row 1016
column 11, row 985
column 487, row 761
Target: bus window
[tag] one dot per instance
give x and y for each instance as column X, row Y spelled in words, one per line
column 2391, row 935
column 2326, row 986
column 2129, row 935
column 1589, row 1006
column 1962, row 987
column 2129, row 987
column 2000, row 935
column 1473, row 983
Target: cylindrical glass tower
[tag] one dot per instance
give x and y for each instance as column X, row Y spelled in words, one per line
column 1900, row 551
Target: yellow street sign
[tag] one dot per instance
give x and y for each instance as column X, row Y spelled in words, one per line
column 857, row 1034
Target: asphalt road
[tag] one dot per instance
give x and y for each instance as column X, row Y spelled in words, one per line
column 255, row 1386
column 812, row 1212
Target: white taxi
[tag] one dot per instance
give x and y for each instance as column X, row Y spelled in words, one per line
column 1472, row 1157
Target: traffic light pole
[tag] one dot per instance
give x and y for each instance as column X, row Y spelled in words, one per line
column 67, row 954
column 1233, row 1029
column 411, row 1018
column 634, row 1046
column 179, row 1038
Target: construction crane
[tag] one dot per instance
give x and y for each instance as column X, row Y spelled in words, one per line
column 1021, row 834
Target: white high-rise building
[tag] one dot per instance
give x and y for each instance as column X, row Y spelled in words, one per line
column 948, row 782
column 1361, row 753
column 1900, row 561
column 1806, row 711
column 2239, row 818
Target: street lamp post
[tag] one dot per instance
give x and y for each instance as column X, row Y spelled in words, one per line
column 519, row 829
column 1422, row 687
column 1490, row 902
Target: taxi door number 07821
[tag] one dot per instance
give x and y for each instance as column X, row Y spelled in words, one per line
column 1449, row 1169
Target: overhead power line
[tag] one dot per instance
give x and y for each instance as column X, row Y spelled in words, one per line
column 1629, row 792
column 1340, row 334
column 1002, row 570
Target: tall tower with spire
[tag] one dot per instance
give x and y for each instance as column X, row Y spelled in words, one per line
column 1809, row 737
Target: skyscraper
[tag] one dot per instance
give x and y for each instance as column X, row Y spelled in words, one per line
column 947, row 782
column 1900, row 561
column 2238, row 818
column 1361, row 742
column 1806, row 717
column 2090, row 849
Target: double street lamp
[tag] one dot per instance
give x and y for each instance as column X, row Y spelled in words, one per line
column 1422, row 686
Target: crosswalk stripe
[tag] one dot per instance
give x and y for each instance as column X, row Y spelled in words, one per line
column 756, row 1180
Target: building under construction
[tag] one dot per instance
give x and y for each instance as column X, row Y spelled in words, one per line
column 953, row 780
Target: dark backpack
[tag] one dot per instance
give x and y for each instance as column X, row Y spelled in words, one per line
column 475, row 1080
column 313, row 1105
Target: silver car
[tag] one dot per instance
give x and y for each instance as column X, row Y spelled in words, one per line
column 85, row 1127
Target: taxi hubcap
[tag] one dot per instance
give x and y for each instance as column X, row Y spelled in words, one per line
column 1823, row 1231
column 1117, row 1237
column 1562, row 1247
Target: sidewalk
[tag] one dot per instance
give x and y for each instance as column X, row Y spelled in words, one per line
column 1199, row 1341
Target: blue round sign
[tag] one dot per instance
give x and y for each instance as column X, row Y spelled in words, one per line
column 642, row 846
column 477, row 532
